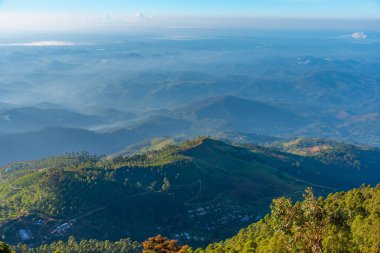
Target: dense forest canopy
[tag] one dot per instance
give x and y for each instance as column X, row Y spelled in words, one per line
column 342, row 222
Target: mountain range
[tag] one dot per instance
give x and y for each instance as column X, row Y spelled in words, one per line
column 40, row 131
column 30, row 133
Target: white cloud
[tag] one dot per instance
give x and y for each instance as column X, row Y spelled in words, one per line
column 47, row 43
column 355, row 35
column 139, row 15
column 359, row 36
column 181, row 37
column 142, row 16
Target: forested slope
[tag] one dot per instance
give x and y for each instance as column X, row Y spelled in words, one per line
column 343, row 222
column 197, row 192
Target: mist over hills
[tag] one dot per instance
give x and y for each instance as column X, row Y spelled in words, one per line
column 326, row 86
column 33, row 118
column 42, row 130
column 37, row 133
column 242, row 115
column 99, row 135
column 59, row 140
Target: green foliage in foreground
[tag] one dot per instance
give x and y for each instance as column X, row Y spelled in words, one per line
column 4, row 248
column 93, row 246
column 343, row 222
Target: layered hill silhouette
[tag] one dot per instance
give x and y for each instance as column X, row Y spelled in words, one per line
column 46, row 129
column 36, row 132
column 241, row 115
column 34, row 118
column 60, row 140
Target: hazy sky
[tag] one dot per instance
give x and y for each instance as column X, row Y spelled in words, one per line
column 108, row 13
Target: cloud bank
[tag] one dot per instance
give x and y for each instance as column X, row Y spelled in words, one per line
column 47, row 43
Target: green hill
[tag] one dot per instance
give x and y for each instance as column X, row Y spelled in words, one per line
column 360, row 162
column 343, row 222
column 197, row 192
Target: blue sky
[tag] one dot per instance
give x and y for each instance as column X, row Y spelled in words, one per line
column 39, row 13
column 270, row 8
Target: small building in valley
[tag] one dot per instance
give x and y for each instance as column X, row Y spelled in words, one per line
column 24, row 235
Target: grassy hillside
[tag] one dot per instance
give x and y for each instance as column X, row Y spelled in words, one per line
column 197, row 192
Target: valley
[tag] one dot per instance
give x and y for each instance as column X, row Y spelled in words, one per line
column 75, row 98
column 206, row 127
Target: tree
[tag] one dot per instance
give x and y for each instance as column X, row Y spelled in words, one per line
column 4, row 248
column 304, row 222
column 160, row 244
column 343, row 222
column 166, row 184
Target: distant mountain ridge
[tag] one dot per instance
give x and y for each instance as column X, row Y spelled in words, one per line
column 60, row 140
column 44, row 132
column 242, row 115
column 34, row 118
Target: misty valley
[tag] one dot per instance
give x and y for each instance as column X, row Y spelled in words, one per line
column 192, row 135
